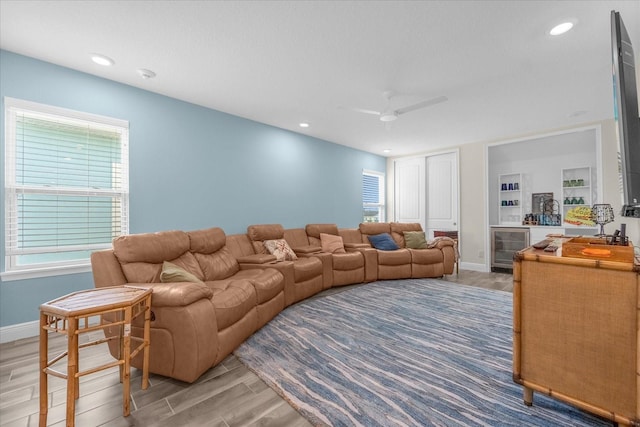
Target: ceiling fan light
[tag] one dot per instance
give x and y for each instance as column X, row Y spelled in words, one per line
column 388, row 117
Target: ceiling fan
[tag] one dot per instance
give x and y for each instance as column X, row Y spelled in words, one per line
column 389, row 114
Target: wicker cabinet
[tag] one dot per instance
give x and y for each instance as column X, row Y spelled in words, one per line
column 576, row 330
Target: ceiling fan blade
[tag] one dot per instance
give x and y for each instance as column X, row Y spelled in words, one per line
column 422, row 104
column 362, row 110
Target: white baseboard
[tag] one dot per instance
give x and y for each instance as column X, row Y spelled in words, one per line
column 19, row 331
column 474, row 267
column 29, row 330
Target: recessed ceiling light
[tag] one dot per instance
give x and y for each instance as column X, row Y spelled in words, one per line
column 146, row 74
column 102, row 60
column 386, row 150
column 561, row 28
column 304, row 125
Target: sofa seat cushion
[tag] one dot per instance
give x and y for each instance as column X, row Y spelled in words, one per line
column 398, row 257
column 348, row 261
column 306, row 268
column 426, row 256
column 232, row 299
column 268, row 283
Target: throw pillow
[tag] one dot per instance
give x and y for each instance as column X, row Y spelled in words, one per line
column 172, row 273
column 415, row 239
column 281, row 249
column 332, row 244
column 384, row 242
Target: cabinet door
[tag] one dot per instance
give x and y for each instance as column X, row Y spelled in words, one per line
column 505, row 242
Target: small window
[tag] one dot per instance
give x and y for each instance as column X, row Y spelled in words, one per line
column 66, row 186
column 373, row 207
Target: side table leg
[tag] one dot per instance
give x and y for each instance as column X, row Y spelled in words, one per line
column 147, row 342
column 72, row 369
column 44, row 364
column 126, row 356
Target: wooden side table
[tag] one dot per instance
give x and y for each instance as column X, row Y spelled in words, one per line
column 70, row 315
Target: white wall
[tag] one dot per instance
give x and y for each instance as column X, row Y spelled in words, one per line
column 474, row 190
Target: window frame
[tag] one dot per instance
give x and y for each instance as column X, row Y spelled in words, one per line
column 11, row 270
column 381, row 205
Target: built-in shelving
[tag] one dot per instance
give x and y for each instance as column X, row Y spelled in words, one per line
column 577, row 192
column 510, row 199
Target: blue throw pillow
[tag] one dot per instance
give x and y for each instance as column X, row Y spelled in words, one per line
column 384, row 242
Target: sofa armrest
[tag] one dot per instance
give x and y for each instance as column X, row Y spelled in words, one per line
column 257, row 259
column 441, row 242
column 178, row 294
column 106, row 269
column 348, row 246
column 304, row 250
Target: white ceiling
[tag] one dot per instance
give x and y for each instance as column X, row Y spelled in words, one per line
column 283, row 62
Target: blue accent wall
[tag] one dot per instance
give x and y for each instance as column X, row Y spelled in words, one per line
column 190, row 167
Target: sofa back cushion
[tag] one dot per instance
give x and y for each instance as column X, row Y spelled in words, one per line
column 239, row 245
column 314, row 230
column 141, row 255
column 351, row 235
column 207, row 241
column 209, row 248
column 332, row 244
column 373, row 228
column 259, row 233
column 296, row 237
column 398, row 229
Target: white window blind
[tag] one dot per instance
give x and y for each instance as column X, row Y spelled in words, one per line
column 373, row 204
column 66, row 185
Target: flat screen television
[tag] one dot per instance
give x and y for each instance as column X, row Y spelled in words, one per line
column 625, row 94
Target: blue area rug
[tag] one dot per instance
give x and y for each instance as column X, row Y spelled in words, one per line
column 401, row 353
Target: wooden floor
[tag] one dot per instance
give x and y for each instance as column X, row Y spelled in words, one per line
column 227, row 395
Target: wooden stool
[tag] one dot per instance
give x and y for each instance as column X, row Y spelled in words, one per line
column 70, row 315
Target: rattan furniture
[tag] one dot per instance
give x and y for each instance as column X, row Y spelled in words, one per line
column 576, row 331
column 79, row 313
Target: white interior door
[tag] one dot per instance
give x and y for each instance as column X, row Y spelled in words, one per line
column 410, row 190
column 441, row 192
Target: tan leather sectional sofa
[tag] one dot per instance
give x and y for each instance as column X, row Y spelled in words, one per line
column 234, row 285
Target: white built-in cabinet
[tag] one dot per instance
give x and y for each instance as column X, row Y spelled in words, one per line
column 510, row 199
column 577, row 190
